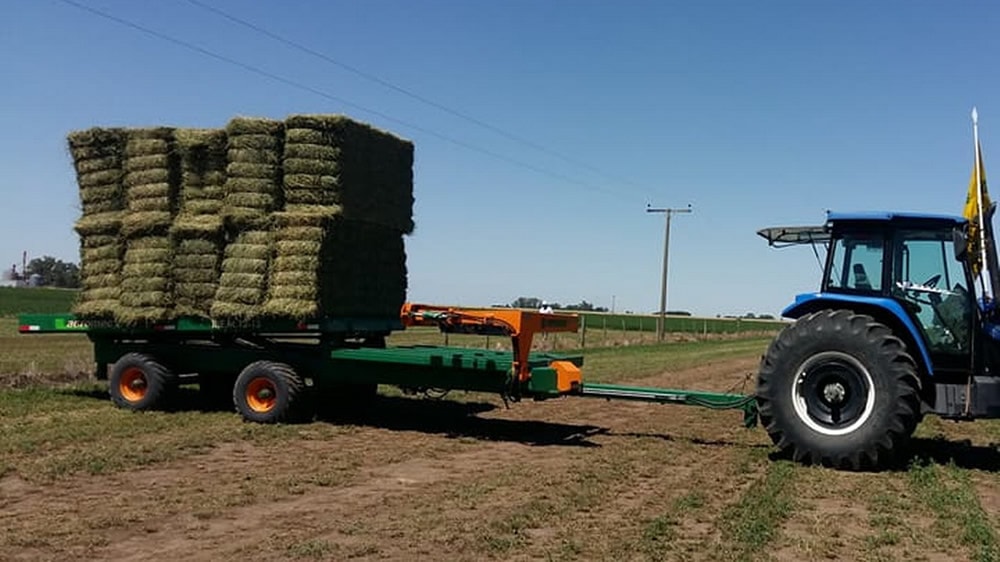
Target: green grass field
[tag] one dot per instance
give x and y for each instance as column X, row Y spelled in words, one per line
column 31, row 300
column 679, row 324
column 566, row 479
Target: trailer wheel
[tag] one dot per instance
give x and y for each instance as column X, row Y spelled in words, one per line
column 838, row 389
column 138, row 382
column 269, row 392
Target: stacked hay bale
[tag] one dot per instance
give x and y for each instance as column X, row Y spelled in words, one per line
column 98, row 155
column 152, row 178
column 295, row 219
column 252, row 195
column 338, row 244
column 197, row 232
column 334, row 160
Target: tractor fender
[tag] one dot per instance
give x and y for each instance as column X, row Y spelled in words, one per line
column 879, row 307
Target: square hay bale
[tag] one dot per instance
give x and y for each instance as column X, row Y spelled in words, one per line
column 242, row 284
column 146, row 281
column 368, row 172
column 327, row 265
column 98, row 160
column 100, row 277
column 253, row 184
column 145, row 223
column 152, row 181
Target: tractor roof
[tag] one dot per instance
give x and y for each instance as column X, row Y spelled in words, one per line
column 782, row 236
column 887, row 216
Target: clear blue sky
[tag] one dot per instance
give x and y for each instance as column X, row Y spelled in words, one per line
column 756, row 113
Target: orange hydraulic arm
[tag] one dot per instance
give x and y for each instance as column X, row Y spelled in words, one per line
column 520, row 325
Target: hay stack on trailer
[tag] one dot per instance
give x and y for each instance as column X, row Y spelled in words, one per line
column 296, row 219
column 348, row 190
column 252, row 195
column 98, row 156
column 152, row 180
column 368, row 173
column 197, row 232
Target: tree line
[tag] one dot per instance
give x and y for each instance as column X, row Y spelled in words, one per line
column 51, row 271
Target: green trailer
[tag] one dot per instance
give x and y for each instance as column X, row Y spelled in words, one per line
column 283, row 370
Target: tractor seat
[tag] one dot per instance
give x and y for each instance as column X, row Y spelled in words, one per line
column 861, row 278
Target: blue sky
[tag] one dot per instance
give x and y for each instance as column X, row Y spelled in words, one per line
column 756, row 113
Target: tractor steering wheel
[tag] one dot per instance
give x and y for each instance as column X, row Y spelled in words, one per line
column 932, row 282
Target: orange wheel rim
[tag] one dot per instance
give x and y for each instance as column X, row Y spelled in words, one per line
column 261, row 395
column 133, row 384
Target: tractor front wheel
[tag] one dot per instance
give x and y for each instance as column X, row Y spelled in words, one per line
column 270, row 392
column 838, row 389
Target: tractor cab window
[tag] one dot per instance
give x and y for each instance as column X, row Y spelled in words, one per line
column 931, row 283
column 856, row 263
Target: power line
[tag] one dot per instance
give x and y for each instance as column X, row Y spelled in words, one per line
column 329, row 96
column 406, row 92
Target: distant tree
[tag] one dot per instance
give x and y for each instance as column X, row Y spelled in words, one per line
column 582, row 306
column 55, row 273
column 527, row 302
column 765, row 317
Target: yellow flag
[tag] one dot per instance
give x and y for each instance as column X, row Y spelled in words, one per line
column 971, row 211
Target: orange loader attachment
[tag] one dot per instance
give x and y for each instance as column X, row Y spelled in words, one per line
column 520, row 325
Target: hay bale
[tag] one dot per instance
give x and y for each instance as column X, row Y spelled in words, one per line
column 145, row 223
column 254, row 155
column 244, row 273
column 296, row 135
column 326, row 265
column 99, row 224
column 98, row 162
column 99, row 178
column 253, row 170
column 253, row 185
column 196, row 227
column 96, row 143
column 152, row 181
column 159, row 161
column 255, row 141
column 254, row 126
column 203, row 169
column 146, row 283
column 368, row 172
column 141, row 178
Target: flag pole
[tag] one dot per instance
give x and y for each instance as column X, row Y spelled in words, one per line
column 979, row 201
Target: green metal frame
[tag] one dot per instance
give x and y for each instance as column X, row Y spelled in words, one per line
column 712, row 400
column 195, row 345
column 63, row 323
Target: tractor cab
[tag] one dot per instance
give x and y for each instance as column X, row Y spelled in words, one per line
column 907, row 270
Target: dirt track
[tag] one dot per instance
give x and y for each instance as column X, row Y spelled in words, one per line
column 564, row 479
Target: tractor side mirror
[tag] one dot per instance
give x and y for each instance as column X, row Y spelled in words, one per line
column 961, row 243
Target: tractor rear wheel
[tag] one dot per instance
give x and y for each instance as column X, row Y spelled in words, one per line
column 838, row 389
column 138, row 382
column 270, row 392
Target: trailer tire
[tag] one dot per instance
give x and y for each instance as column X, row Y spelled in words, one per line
column 138, row 382
column 838, row 389
column 270, row 392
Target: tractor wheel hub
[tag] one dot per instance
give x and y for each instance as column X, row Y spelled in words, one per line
column 834, row 393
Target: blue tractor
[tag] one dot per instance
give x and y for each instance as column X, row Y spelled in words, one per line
column 896, row 331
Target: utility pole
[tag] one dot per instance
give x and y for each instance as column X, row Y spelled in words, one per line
column 661, row 319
